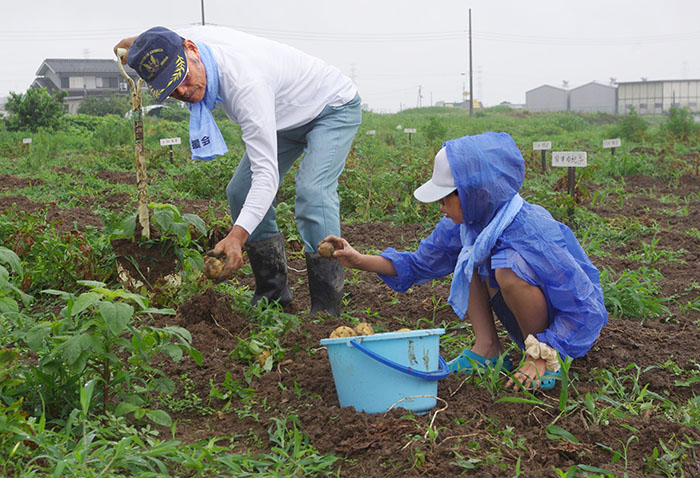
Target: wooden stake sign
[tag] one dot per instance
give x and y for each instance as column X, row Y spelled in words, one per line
column 570, row 160
column 170, row 142
column 410, row 131
column 612, row 144
column 542, row 146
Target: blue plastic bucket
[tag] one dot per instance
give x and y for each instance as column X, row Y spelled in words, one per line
column 374, row 372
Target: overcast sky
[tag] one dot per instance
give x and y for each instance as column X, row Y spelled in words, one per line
column 393, row 49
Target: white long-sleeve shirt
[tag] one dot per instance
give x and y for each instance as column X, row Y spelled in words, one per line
column 268, row 87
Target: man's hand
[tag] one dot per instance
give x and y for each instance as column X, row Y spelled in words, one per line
column 528, row 373
column 126, row 44
column 232, row 247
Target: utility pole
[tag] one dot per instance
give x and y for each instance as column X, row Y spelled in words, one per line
column 471, row 88
column 202, row 12
column 419, row 103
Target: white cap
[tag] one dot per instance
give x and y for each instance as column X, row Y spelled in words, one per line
column 441, row 184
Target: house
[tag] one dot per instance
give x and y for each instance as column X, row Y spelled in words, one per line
column 82, row 78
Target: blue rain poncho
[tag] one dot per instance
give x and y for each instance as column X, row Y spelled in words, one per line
column 488, row 170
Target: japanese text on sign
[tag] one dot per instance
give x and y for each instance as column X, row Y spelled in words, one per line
column 539, row 145
column 576, row 159
column 409, row 130
column 372, row 131
column 26, row 140
column 612, row 143
column 169, row 141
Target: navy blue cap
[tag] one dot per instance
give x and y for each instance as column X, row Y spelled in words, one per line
column 158, row 56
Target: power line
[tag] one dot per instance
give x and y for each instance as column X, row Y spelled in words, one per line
column 33, row 35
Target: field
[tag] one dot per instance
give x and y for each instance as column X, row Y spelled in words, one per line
column 109, row 367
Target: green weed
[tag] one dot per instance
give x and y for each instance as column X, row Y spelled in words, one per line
column 634, row 294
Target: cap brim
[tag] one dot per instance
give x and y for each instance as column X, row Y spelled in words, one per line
column 169, row 79
column 431, row 192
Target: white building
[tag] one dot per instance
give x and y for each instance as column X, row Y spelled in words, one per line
column 547, row 98
column 593, row 97
column 657, row 97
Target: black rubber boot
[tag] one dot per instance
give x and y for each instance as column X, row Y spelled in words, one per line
column 326, row 280
column 269, row 264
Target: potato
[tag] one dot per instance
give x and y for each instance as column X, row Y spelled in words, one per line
column 261, row 358
column 363, row 328
column 213, row 267
column 342, row 331
column 403, row 330
column 326, row 249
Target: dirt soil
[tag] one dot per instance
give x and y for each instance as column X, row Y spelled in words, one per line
column 468, row 420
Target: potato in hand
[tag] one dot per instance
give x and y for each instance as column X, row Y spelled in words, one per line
column 213, row 267
column 326, row 249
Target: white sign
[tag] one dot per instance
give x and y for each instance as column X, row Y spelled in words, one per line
column 576, row 159
column 539, row 145
column 27, row 140
column 409, row 130
column 612, row 143
column 169, row 141
column 372, row 131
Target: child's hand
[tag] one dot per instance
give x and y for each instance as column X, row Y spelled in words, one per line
column 528, row 373
column 344, row 252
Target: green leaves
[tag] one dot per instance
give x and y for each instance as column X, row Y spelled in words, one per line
column 8, row 291
column 96, row 339
column 37, row 108
column 171, row 221
column 9, row 257
column 116, row 315
column 159, row 417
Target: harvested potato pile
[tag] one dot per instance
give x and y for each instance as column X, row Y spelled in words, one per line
column 403, row 330
column 326, row 249
column 342, row 331
column 363, row 328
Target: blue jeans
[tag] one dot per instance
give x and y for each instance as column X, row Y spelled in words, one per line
column 325, row 143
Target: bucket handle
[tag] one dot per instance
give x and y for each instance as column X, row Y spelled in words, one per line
column 442, row 372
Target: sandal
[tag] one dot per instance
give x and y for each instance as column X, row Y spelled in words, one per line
column 549, row 380
column 464, row 361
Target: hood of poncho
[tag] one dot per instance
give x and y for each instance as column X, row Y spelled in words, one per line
column 489, row 170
